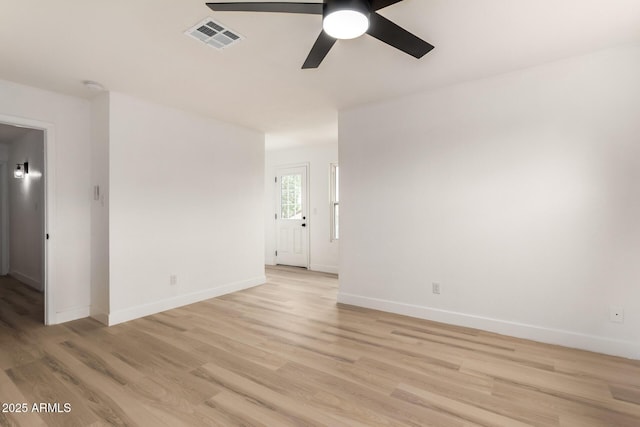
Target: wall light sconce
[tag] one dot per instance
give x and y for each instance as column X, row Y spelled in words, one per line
column 21, row 170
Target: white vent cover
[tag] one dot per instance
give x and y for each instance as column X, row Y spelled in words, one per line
column 214, row 34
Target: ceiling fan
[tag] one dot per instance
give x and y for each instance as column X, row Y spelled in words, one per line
column 341, row 19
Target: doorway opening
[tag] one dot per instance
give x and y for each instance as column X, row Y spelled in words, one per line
column 292, row 216
column 24, row 217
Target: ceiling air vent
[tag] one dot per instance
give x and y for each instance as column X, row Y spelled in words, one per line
column 214, row 34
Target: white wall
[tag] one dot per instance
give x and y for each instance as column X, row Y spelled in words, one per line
column 70, row 230
column 4, row 209
column 185, row 199
column 26, row 211
column 100, row 207
column 323, row 253
column 520, row 194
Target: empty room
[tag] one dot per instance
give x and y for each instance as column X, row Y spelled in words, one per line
column 321, row 213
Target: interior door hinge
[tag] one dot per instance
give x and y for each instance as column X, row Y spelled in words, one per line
column 276, row 216
column 276, row 253
column 276, row 179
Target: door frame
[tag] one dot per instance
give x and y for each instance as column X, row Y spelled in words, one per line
column 49, row 173
column 305, row 203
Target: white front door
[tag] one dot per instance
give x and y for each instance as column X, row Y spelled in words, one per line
column 292, row 227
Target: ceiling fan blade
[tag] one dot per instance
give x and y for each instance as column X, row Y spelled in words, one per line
column 282, row 7
column 321, row 47
column 393, row 35
column 379, row 4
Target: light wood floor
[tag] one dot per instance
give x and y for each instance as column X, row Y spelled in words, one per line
column 284, row 354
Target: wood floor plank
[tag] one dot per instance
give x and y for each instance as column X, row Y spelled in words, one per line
column 399, row 411
column 39, row 385
column 234, row 409
column 249, row 353
column 626, row 393
column 453, row 407
column 93, row 397
column 9, row 393
column 286, row 354
column 466, row 389
column 298, row 411
column 567, row 408
column 592, row 393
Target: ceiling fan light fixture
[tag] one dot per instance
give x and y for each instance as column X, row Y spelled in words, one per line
column 342, row 19
column 345, row 24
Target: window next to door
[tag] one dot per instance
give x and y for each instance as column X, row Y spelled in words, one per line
column 335, row 201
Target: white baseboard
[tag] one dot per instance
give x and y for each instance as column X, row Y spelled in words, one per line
column 180, row 300
column 564, row 338
column 72, row 314
column 27, row 280
column 324, row 268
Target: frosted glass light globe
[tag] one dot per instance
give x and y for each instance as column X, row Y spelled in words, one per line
column 345, row 24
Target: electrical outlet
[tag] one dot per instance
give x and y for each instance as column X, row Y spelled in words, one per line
column 173, row 280
column 616, row 314
column 436, row 288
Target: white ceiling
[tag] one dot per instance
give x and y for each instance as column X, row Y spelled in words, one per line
column 138, row 47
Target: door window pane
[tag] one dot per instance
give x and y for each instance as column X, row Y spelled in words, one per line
column 336, row 222
column 335, row 201
column 336, row 184
column 291, row 196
